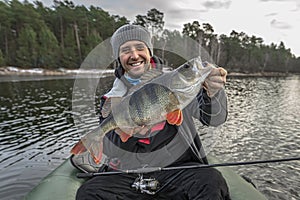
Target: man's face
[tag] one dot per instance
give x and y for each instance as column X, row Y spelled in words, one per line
column 135, row 58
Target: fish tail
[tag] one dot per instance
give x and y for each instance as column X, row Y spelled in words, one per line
column 94, row 147
column 91, row 142
column 78, row 148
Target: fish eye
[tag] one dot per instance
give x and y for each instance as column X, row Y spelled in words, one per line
column 186, row 66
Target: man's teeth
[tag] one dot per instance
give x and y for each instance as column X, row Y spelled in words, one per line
column 136, row 64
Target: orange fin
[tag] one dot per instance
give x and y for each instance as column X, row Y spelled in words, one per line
column 175, row 117
column 97, row 158
column 123, row 136
column 78, row 148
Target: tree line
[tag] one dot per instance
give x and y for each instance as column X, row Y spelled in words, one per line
column 32, row 35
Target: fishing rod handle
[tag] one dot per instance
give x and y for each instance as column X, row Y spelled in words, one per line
column 84, row 175
column 90, row 175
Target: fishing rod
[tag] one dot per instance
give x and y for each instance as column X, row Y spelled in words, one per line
column 157, row 169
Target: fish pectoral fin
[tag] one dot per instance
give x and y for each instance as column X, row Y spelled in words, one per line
column 78, row 148
column 123, row 136
column 175, row 117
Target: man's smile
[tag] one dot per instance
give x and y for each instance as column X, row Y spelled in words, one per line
column 136, row 64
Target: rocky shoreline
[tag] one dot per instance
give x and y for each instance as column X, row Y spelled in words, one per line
column 259, row 74
column 15, row 71
column 9, row 71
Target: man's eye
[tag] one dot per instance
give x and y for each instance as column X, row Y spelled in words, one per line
column 126, row 50
column 140, row 47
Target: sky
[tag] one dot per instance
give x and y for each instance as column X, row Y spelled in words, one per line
column 272, row 20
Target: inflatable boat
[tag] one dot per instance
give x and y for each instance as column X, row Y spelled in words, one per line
column 62, row 184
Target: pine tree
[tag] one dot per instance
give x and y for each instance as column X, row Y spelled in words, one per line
column 27, row 51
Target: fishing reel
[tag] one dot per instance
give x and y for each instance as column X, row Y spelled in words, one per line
column 147, row 185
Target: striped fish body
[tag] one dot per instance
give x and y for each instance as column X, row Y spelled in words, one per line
column 161, row 98
column 146, row 106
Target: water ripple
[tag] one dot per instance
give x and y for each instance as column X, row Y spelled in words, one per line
column 39, row 122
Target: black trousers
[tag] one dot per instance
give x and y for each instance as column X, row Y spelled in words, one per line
column 192, row 184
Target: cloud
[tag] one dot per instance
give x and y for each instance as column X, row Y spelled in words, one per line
column 176, row 17
column 280, row 24
column 271, row 14
column 188, row 12
column 217, row 4
column 297, row 2
column 278, row 0
column 174, row 26
column 271, row 0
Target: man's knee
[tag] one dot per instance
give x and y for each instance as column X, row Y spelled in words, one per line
column 82, row 193
column 85, row 192
column 209, row 184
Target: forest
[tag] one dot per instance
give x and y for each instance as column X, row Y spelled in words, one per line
column 61, row 36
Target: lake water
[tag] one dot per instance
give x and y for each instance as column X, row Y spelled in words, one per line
column 39, row 125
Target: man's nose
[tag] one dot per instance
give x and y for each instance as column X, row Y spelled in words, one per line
column 134, row 54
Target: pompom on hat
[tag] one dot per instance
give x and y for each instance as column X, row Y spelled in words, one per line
column 130, row 32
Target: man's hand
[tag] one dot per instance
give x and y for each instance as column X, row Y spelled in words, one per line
column 215, row 81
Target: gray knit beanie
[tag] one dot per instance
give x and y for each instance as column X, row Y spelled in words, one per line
column 130, row 32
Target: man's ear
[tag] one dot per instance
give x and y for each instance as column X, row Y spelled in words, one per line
column 119, row 70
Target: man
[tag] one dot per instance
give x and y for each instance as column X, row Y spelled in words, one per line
column 130, row 149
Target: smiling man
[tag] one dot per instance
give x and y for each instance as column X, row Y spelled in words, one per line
column 133, row 49
column 126, row 149
column 135, row 58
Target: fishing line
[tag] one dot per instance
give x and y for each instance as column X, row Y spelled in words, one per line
column 217, row 102
column 157, row 169
column 192, row 146
column 189, row 139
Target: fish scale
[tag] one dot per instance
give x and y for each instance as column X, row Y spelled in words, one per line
column 145, row 103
